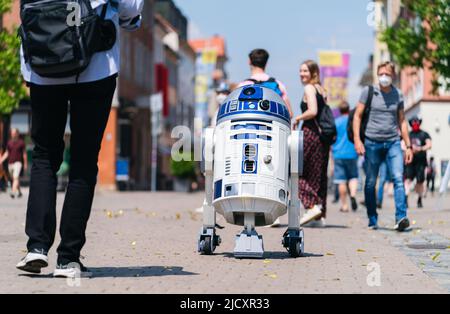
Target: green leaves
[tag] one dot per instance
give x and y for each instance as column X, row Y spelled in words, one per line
column 5, row 6
column 423, row 39
column 12, row 89
column 184, row 168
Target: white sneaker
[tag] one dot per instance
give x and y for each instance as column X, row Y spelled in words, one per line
column 317, row 223
column 33, row 262
column 72, row 270
column 276, row 223
column 310, row 215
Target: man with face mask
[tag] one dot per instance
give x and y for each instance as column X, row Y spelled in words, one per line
column 382, row 142
column 421, row 143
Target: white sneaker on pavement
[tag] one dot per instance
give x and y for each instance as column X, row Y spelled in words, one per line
column 317, row 223
column 33, row 262
column 310, row 215
column 72, row 270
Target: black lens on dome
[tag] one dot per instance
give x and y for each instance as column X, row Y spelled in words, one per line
column 249, row 91
column 265, row 105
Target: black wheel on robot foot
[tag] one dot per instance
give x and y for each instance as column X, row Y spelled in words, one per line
column 295, row 249
column 207, row 248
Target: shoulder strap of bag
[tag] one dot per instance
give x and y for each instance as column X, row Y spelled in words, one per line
column 368, row 104
column 104, row 10
column 370, row 96
column 254, row 81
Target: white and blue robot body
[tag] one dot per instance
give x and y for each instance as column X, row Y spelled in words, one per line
column 252, row 162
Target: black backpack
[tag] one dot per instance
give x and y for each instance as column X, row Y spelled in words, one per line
column 326, row 124
column 364, row 120
column 55, row 49
column 271, row 83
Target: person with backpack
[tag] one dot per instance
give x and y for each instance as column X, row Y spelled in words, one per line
column 258, row 59
column 378, row 117
column 319, row 132
column 345, row 162
column 68, row 59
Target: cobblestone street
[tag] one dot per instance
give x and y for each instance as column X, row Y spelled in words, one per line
column 146, row 243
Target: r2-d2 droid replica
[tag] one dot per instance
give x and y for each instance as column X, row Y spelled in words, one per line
column 252, row 163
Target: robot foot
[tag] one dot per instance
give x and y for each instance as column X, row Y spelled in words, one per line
column 249, row 245
column 294, row 242
column 208, row 241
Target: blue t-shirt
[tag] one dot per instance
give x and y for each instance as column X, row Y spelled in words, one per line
column 343, row 148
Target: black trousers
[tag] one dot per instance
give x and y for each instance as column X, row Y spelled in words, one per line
column 89, row 105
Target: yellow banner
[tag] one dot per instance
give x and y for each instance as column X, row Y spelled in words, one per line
column 330, row 59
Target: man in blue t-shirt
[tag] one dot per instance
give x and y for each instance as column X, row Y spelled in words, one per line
column 345, row 161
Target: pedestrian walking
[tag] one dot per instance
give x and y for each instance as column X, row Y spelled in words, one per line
column 4, row 178
column 383, row 117
column 345, row 162
column 431, row 176
column 313, row 184
column 89, row 90
column 421, row 143
column 258, row 59
column 16, row 155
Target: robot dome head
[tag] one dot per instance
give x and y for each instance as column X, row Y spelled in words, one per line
column 254, row 102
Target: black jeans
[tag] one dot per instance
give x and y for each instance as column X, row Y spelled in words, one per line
column 89, row 105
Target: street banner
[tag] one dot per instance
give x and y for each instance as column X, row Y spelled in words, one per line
column 334, row 70
column 205, row 66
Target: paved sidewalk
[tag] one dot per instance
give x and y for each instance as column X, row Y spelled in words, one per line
column 146, row 243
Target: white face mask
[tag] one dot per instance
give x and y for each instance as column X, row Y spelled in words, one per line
column 385, row 80
column 221, row 98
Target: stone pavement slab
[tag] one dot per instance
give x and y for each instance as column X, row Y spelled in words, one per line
column 146, row 243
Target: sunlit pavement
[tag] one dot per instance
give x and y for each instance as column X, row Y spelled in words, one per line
column 146, row 243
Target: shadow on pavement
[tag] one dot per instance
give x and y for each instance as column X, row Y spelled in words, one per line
column 282, row 226
column 125, row 272
column 395, row 231
column 271, row 255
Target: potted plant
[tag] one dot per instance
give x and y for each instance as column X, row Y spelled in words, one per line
column 183, row 169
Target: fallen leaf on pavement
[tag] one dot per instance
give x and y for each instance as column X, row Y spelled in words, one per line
column 266, row 261
column 435, row 257
column 273, row 276
column 361, row 251
column 330, row 254
column 178, row 216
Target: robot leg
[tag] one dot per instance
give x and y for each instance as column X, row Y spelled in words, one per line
column 248, row 243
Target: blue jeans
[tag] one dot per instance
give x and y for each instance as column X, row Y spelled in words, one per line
column 385, row 176
column 376, row 154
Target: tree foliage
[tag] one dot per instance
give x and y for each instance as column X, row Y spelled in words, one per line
column 12, row 89
column 423, row 38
